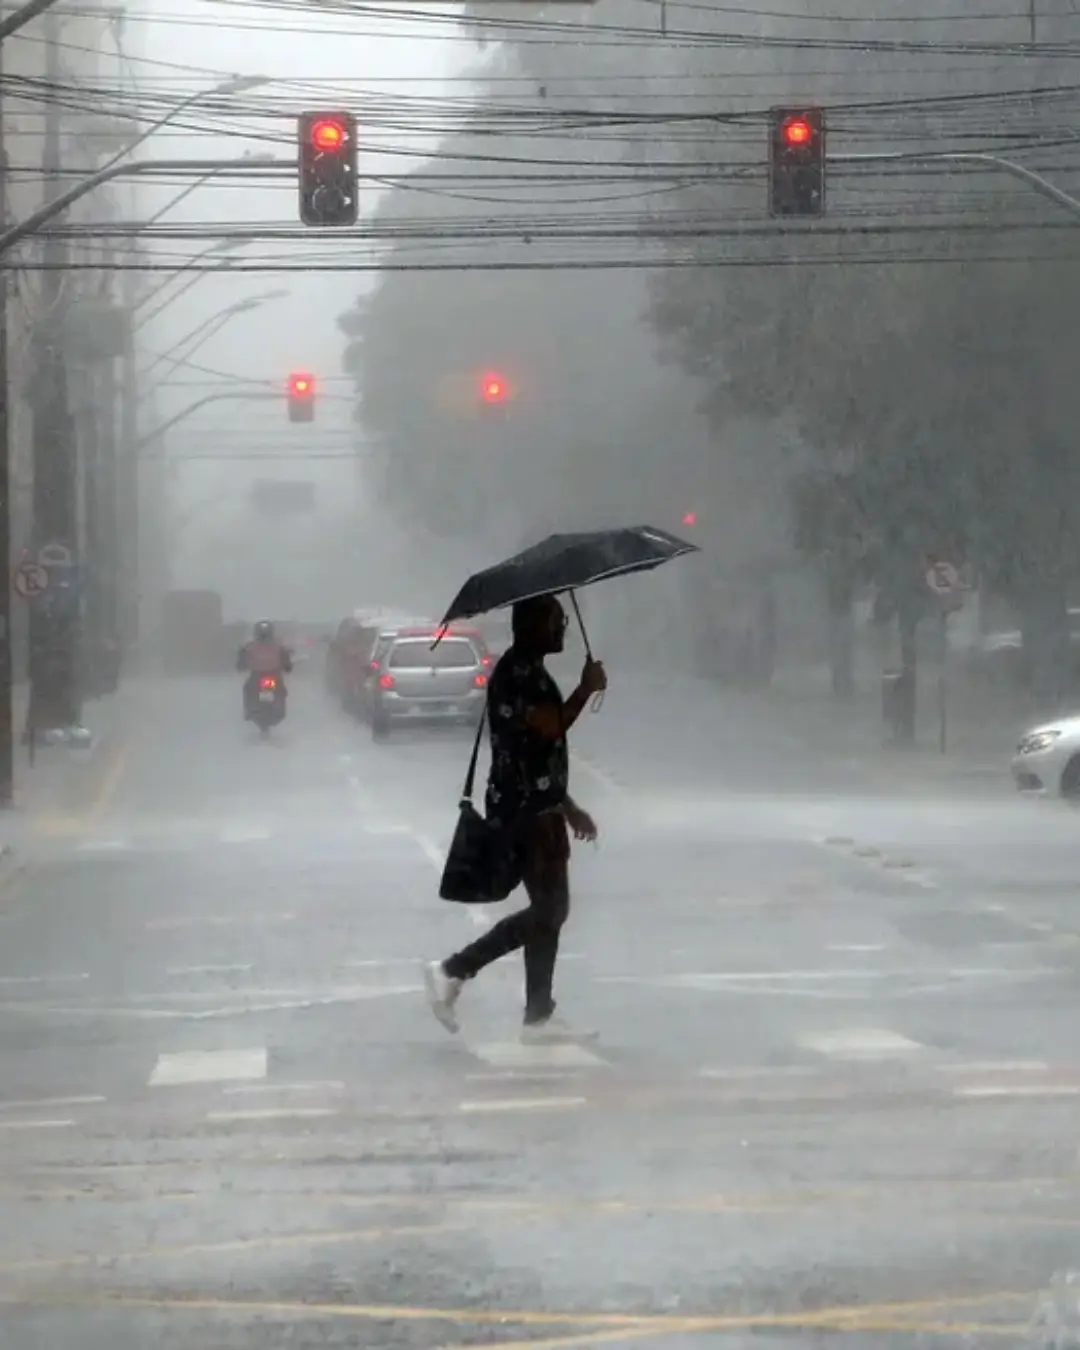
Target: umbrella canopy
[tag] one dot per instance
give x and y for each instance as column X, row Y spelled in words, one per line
column 566, row 562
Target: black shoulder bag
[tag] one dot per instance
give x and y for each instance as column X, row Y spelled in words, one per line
column 483, row 865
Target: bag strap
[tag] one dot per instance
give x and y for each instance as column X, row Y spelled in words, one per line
column 470, row 777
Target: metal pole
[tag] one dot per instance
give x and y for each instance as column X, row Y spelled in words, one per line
column 127, row 478
column 23, row 16
column 229, row 395
column 943, row 687
column 136, row 169
column 54, row 695
column 7, row 712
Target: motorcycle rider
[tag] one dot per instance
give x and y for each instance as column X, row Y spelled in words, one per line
column 263, row 655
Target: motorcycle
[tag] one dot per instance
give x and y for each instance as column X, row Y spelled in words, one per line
column 268, row 706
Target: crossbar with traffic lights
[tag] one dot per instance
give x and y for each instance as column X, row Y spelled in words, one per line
column 797, row 162
column 301, row 397
column 327, row 158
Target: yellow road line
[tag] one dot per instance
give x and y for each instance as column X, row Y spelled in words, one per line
column 55, row 824
column 856, row 1317
column 630, row 1332
column 232, row 1245
column 110, row 783
column 868, row 1318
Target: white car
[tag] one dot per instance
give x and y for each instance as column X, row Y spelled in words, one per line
column 1048, row 758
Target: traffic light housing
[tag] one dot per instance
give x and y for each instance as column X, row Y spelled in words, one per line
column 301, row 397
column 797, row 162
column 327, row 168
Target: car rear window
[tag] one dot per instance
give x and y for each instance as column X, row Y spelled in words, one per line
column 450, row 654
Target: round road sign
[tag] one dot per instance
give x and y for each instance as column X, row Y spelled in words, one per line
column 31, row 580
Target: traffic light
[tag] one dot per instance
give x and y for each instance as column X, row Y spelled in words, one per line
column 327, row 146
column 689, row 519
column 796, row 162
column 493, row 388
column 301, row 398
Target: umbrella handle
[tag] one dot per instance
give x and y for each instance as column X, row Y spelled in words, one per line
column 598, row 698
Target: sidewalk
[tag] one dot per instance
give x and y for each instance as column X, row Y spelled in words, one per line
column 61, row 776
column 982, row 726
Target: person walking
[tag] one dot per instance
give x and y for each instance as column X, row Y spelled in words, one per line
column 528, row 794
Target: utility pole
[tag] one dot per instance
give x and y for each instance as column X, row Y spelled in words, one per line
column 7, row 729
column 54, row 626
column 127, row 476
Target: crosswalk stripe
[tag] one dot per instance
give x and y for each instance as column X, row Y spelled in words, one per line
column 515, row 1055
column 860, row 1043
column 208, row 1066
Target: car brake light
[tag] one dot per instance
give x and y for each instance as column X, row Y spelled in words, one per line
column 485, row 661
column 268, row 682
column 386, row 682
column 373, row 665
column 480, row 681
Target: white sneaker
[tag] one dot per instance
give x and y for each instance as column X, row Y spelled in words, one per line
column 555, row 1032
column 442, row 993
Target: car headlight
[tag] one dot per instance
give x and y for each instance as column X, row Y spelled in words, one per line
column 1039, row 740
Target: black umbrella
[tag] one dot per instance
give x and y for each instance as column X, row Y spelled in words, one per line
column 566, row 562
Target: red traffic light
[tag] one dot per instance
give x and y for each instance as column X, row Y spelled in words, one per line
column 493, row 388
column 301, row 386
column 796, row 131
column 327, row 135
column 690, row 518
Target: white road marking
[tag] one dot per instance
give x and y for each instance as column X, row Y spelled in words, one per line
column 860, row 1043
column 720, row 978
column 996, row 1066
column 250, row 1089
column 761, row 1071
column 855, row 947
column 208, row 970
column 35, row 1124
column 208, row 1066
column 104, row 845
column 42, row 979
column 515, row 1055
column 1017, row 1090
column 375, row 962
column 522, row 1104
column 40, row 1103
column 273, row 1113
column 235, row 1010
column 244, row 834
column 538, row 1075
column 249, row 919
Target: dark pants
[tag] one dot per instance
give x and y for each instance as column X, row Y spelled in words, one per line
column 545, row 858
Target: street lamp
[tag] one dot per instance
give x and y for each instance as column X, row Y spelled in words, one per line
column 211, row 325
column 238, row 84
column 221, row 246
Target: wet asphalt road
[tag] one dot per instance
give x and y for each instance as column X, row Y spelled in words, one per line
column 834, row 1102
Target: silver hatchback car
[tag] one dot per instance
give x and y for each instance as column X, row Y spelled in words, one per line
column 409, row 681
